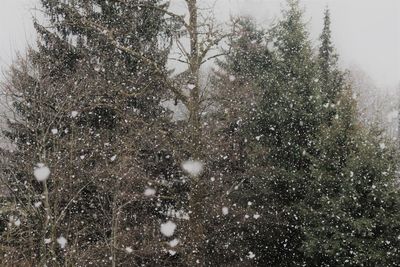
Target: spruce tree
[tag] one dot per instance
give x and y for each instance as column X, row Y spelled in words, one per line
column 352, row 206
column 91, row 114
column 235, row 95
column 286, row 125
column 331, row 78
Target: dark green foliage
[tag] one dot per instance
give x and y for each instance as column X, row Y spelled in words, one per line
column 244, row 59
column 304, row 145
column 352, row 203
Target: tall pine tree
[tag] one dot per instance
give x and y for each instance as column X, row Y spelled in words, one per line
column 352, row 204
column 286, row 126
column 91, row 114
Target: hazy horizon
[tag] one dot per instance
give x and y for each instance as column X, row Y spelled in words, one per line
column 366, row 32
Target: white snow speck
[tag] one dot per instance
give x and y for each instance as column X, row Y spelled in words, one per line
column 232, row 78
column 149, row 192
column 41, row 172
column 54, row 131
column 193, row 167
column 382, row 145
column 74, row 114
column 258, row 137
column 113, row 158
column 168, row 228
column 173, row 243
column 128, row 250
column 47, row 240
column 62, row 241
column 17, row 222
column 38, row 204
column 172, row 252
column 256, row 216
column 191, row 86
column 251, row 255
column 225, row 210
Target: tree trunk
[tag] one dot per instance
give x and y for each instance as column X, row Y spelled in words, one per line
column 196, row 254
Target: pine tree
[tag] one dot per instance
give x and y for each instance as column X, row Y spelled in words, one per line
column 287, row 122
column 91, row 113
column 235, row 95
column 279, row 135
column 352, row 204
column 331, row 78
column 291, row 101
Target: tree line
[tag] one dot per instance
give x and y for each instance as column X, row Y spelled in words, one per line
column 270, row 166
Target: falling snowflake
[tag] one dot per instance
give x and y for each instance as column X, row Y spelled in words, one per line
column 41, row 172
column 168, row 228
column 173, row 243
column 54, row 131
column 225, row 210
column 62, row 241
column 74, row 114
column 149, row 192
column 251, row 255
column 128, row 250
column 193, row 167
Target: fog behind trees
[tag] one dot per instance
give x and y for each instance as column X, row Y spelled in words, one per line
column 366, row 34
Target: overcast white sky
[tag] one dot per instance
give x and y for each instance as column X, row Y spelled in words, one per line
column 366, row 32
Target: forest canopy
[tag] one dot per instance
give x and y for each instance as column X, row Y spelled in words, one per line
column 114, row 159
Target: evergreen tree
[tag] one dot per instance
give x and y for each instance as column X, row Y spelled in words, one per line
column 91, row 114
column 243, row 58
column 352, row 207
column 282, row 172
column 235, row 96
column 331, row 78
column 286, row 125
